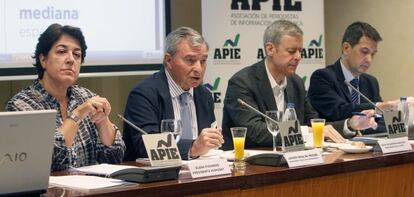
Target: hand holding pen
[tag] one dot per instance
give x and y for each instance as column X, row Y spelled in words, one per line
column 363, row 120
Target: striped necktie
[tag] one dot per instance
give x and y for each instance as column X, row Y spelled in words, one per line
column 354, row 94
column 185, row 116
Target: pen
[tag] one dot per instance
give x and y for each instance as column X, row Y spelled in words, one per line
column 358, row 114
column 363, row 114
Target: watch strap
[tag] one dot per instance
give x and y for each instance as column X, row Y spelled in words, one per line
column 74, row 117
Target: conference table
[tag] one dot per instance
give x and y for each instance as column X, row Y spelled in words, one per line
column 342, row 174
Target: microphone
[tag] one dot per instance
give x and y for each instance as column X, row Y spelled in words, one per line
column 132, row 125
column 255, row 110
column 366, row 98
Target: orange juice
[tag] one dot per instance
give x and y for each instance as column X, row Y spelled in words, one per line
column 238, row 148
column 317, row 128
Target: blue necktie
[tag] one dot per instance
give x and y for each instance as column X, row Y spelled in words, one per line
column 354, row 94
column 185, row 116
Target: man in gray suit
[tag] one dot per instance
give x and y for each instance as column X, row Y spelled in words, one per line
column 272, row 83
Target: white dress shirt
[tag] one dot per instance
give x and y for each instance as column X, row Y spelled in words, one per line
column 278, row 90
column 175, row 92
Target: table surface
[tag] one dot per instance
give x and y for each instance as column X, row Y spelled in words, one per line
column 255, row 176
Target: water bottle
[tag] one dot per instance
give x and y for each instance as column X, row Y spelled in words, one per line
column 403, row 107
column 290, row 113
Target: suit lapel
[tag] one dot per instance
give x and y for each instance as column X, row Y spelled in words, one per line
column 165, row 95
column 340, row 76
column 290, row 92
column 264, row 87
column 363, row 88
column 198, row 105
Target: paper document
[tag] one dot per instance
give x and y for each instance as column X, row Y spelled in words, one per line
column 103, row 169
column 85, row 183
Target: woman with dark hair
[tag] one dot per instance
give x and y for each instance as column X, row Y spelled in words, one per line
column 84, row 134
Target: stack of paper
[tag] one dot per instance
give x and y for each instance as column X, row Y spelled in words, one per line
column 103, row 169
column 85, row 183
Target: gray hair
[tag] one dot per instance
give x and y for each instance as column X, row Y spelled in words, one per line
column 275, row 31
column 175, row 37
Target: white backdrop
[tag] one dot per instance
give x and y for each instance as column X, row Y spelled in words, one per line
column 235, row 35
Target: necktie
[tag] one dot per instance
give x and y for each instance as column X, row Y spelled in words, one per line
column 187, row 132
column 354, row 94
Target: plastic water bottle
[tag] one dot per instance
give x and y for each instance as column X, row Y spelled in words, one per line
column 405, row 112
column 290, row 113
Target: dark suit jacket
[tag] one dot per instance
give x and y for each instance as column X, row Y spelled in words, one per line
column 252, row 85
column 149, row 103
column 330, row 96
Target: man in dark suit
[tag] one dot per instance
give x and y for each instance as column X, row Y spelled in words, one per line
column 329, row 94
column 269, row 85
column 175, row 92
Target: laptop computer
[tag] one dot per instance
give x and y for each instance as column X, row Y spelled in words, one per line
column 26, row 146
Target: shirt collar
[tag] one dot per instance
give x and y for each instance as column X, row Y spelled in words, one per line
column 43, row 93
column 272, row 81
column 347, row 74
column 51, row 99
column 175, row 89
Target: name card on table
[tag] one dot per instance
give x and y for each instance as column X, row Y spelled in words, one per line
column 303, row 158
column 291, row 136
column 395, row 125
column 208, row 167
column 394, row 145
column 162, row 149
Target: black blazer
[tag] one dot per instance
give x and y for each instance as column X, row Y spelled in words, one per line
column 149, row 103
column 252, row 85
column 330, row 96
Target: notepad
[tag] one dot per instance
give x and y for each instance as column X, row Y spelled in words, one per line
column 86, row 183
column 103, row 169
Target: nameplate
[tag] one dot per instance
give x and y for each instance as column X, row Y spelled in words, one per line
column 162, row 149
column 394, row 145
column 292, row 139
column 208, row 167
column 303, row 158
column 395, row 125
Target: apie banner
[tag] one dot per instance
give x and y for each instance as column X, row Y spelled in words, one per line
column 234, row 31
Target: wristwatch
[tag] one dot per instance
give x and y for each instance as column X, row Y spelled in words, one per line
column 74, row 117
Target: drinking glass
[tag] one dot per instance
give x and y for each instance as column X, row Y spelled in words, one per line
column 272, row 126
column 173, row 126
column 317, row 127
column 239, row 136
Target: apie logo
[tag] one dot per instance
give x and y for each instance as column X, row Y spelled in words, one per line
column 314, row 53
column 316, row 43
column 228, row 53
column 231, row 42
column 213, row 89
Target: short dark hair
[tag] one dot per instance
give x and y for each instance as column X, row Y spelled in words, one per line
column 52, row 35
column 358, row 29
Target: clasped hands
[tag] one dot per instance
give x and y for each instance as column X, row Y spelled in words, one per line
column 97, row 108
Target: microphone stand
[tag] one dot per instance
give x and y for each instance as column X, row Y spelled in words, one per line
column 366, row 98
column 255, row 110
column 132, row 125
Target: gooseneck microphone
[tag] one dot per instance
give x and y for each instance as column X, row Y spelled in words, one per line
column 255, row 110
column 132, row 125
column 366, row 98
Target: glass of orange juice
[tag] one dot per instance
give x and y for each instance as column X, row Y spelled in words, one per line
column 317, row 127
column 239, row 136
